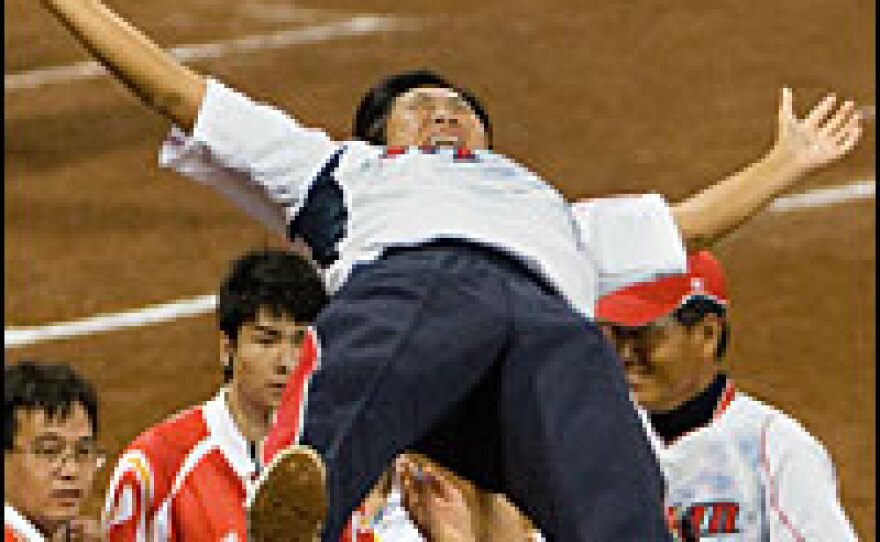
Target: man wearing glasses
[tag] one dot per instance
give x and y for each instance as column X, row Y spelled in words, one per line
column 734, row 466
column 50, row 452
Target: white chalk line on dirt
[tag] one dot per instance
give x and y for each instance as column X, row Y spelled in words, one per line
column 23, row 336
column 823, row 197
column 355, row 26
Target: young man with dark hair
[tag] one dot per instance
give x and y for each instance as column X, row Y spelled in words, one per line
column 734, row 466
column 462, row 280
column 50, row 452
column 189, row 477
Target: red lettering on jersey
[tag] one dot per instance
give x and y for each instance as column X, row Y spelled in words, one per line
column 391, row 152
column 695, row 515
column 462, row 153
column 723, row 516
column 706, row 519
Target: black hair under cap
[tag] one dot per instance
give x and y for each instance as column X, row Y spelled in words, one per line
column 372, row 113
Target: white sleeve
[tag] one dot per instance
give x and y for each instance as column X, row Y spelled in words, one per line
column 254, row 154
column 631, row 239
column 801, row 489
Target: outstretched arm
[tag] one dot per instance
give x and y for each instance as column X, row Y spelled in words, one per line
column 163, row 83
column 802, row 146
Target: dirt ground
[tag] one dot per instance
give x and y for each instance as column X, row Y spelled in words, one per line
column 602, row 97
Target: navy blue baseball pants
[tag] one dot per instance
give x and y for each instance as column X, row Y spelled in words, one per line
column 461, row 353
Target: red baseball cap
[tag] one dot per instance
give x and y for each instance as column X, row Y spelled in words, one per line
column 642, row 303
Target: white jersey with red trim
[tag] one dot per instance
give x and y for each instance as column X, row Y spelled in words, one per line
column 349, row 201
column 184, row 479
column 17, row 528
column 753, row 474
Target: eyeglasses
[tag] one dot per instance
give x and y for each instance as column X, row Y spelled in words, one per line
column 53, row 454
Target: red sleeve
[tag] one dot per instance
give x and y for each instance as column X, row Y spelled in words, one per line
column 287, row 425
column 128, row 502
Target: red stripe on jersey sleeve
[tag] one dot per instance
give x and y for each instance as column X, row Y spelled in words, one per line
column 287, row 425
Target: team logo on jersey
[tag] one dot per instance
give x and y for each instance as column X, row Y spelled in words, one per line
column 460, row 154
column 123, row 508
column 705, row 519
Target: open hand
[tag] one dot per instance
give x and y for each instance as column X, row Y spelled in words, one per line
column 825, row 135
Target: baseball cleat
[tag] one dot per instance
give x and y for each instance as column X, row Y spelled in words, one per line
column 289, row 502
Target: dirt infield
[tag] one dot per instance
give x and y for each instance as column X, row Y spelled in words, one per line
column 617, row 97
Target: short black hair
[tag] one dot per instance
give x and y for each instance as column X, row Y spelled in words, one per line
column 372, row 113
column 695, row 309
column 280, row 281
column 51, row 387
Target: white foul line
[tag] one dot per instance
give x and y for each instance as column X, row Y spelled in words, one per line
column 824, row 197
column 364, row 24
column 155, row 314
column 23, row 336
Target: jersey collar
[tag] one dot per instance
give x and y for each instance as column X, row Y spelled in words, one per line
column 229, row 438
column 20, row 525
column 698, row 413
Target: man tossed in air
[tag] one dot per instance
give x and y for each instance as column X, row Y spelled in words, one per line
column 463, row 282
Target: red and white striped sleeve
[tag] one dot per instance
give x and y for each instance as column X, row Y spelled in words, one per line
column 129, row 499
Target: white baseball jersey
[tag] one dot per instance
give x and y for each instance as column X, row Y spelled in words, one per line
column 350, row 201
column 753, row 474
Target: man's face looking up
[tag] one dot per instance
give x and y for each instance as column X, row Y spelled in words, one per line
column 434, row 116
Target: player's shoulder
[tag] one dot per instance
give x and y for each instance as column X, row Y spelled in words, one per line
column 182, row 431
column 165, row 445
column 781, row 434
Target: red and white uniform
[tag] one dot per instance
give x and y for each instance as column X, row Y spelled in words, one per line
column 184, row 479
column 16, row 528
column 753, row 474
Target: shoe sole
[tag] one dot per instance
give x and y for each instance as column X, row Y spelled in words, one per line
column 289, row 502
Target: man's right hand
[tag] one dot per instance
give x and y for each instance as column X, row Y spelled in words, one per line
column 154, row 75
column 823, row 136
